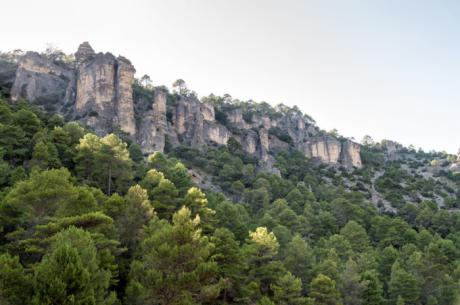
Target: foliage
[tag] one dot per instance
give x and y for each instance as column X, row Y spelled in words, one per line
column 86, row 219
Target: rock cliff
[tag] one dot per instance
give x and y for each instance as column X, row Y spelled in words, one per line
column 43, row 82
column 104, row 90
column 154, row 128
column 97, row 89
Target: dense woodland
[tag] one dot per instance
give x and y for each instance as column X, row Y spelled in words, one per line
column 88, row 220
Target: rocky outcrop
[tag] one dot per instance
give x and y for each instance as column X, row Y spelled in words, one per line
column 216, row 133
column 330, row 150
column 208, row 112
column 235, row 117
column 97, row 89
column 351, row 154
column 104, row 92
column 43, row 82
column 84, row 52
column 154, row 127
column 124, row 97
column 326, row 149
column 391, row 149
column 249, row 141
column 194, row 122
column 7, row 75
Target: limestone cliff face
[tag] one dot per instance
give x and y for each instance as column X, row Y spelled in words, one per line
column 84, row 52
column 351, row 154
column 235, row 117
column 153, row 128
column 97, row 89
column 125, row 103
column 194, row 122
column 7, row 74
column 43, row 82
column 326, row 149
column 104, row 91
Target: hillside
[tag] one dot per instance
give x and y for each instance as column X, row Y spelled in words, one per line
column 114, row 191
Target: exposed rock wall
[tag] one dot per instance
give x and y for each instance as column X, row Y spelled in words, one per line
column 153, row 128
column 327, row 149
column 7, row 74
column 104, row 87
column 216, row 133
column 392, row 150
column 125, row 103
column 98, row 89
column 351, row 154
column 208, row 112
column 42, row 82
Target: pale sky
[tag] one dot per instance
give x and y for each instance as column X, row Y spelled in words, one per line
column 387, row 68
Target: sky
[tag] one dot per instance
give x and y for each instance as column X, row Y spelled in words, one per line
column 385, row 68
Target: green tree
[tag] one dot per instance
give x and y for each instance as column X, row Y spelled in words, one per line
column 70, row 273
column 350, row 285
column 323, row 291
column 175, row 264
column 15, row 285
column 299, row 258
column 265, row 301
column 45, row 155
column 195, row 200
column 373, row 292
column 165, row 198
column 116, row 163
column 261, row 252
column 27, row 121
column 356, row 236
column 288, row 291
column 230, row 262
column 104, row 162
column 43, row 194
column 403, row 284
column 130, row 213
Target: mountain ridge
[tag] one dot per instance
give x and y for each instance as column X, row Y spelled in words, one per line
column 99, row 90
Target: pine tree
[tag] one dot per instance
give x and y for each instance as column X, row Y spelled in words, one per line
column 350, row 284
column 133, row 213
column 45, row 155
column 403, row 284
column 288, row 291
column 104, row 162
column 356, row 236
column 323, row 291
column 230, row 262
column 15, row 285
column 373, row 292
column 299, row 259
column 261, row 252
column 70, row 273
column 175, row 264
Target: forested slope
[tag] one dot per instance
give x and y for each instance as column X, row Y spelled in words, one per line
column 87, row 220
